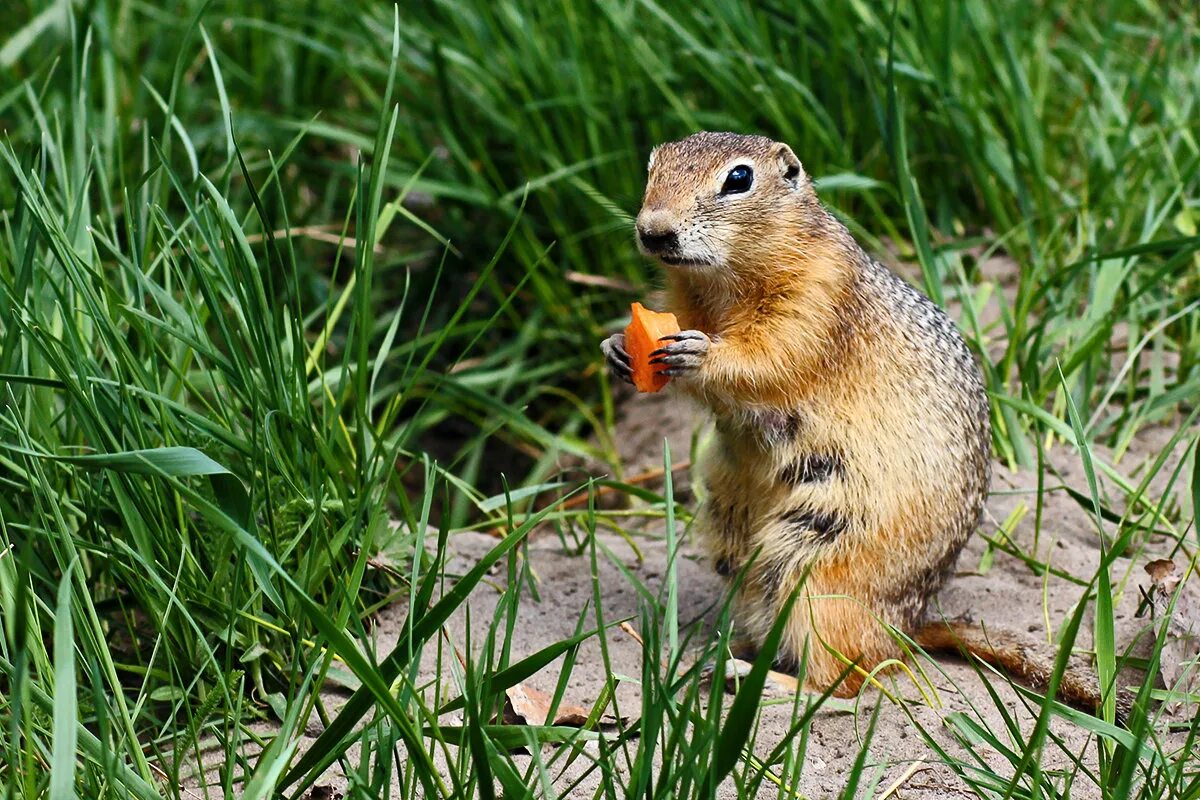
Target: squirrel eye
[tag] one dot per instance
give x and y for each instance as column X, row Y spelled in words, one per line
column 738, row 180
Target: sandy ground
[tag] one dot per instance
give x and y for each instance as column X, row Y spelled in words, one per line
column 1005, row 594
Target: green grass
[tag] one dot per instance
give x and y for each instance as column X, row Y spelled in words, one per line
column 289, row 291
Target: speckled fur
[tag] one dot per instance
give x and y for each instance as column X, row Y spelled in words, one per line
column 819, row 356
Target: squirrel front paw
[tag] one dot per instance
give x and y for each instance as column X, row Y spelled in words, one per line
column 617, row 358
column 684, row 353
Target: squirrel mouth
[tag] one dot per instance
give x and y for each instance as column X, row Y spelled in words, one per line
column 681, row 261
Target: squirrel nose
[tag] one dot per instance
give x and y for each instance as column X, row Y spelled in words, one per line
column 657, row 241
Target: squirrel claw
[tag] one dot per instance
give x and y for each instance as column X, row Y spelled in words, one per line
column 686, row 351
column 616, row 357
column 684, row 335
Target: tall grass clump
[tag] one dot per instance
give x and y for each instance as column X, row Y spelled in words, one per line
column 208, row 433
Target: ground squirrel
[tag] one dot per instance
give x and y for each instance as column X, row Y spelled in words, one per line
column 853, row 431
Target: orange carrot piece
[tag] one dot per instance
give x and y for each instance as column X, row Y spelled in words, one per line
column 641, row 339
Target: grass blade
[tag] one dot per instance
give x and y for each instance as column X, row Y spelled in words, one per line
column 66, row 724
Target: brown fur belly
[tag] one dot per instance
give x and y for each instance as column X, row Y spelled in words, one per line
column 795, row 517
column 836, row 619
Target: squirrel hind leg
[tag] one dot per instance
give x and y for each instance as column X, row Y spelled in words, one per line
column 1019, row 660
column 838, row 640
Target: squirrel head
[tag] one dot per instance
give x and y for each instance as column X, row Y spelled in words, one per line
column 724, row 204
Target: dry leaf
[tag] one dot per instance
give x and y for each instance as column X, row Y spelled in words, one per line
column 1178, row 661
column 529, row 706
column 1163, row 576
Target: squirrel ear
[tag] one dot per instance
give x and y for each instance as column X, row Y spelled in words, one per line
column 789, row 165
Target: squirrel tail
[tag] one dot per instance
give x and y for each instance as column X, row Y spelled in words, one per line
column 1006, row 652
